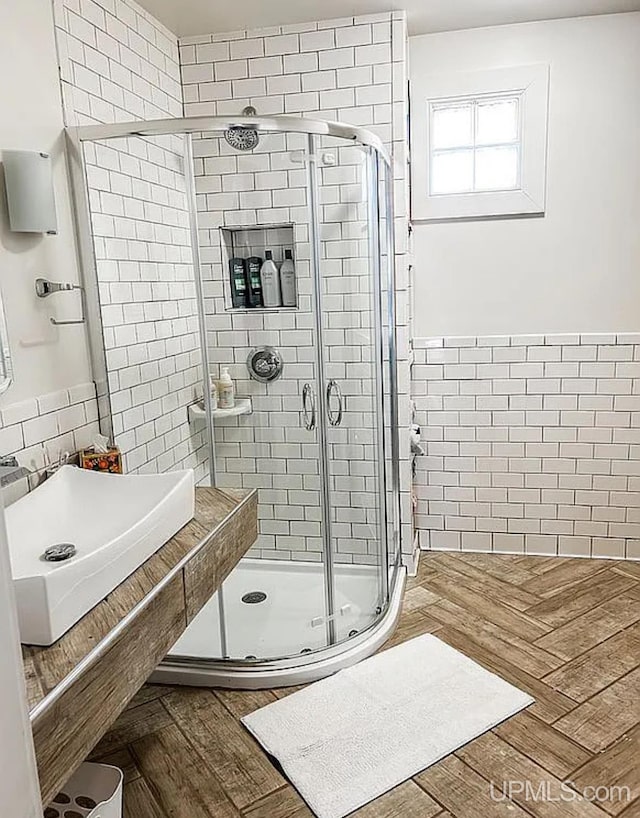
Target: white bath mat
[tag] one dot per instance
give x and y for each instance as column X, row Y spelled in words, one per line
column 347, row 739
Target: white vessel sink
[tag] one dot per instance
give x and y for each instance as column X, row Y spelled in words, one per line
column 114, row 521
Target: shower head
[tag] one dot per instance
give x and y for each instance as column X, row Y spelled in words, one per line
column 241, row 138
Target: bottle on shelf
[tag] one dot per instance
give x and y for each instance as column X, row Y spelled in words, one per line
column 238, row 281
column 214, row 392
column 254, row 283
column 270, row 280
column 288, row 286
column 226, row 390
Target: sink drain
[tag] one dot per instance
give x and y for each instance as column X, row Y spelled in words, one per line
column 59, row 553
column 253, row 597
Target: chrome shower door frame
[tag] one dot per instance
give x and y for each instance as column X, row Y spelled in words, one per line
column 325, row 387
column 325, row 498
column 389, row 283
column 313, row 129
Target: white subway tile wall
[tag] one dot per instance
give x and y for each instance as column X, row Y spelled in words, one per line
column 270, row 450
column 118, row 63
column 532, row 444
column 331, row 70
column 40, row 430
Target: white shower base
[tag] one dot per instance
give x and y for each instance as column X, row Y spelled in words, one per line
column 282, row 640
column 291, row 618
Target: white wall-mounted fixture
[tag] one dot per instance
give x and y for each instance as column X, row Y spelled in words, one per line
column 479, row 143
column 30, row 194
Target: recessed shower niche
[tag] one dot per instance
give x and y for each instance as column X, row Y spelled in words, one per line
column 243, row 252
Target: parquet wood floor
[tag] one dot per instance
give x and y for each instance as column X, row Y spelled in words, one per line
column 565, row 630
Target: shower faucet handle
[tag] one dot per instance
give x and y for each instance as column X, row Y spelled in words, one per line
column 265, row 364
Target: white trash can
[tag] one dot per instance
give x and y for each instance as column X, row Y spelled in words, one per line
column 93, row 791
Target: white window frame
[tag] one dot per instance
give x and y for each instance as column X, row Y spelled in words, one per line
column 530, row 83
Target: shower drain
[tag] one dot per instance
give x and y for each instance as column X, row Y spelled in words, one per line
column 59, row 553
column 253, row 597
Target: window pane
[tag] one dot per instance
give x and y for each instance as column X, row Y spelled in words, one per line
column 497, row 121
column 452, row 172
column 451, row 126
column 497, row 168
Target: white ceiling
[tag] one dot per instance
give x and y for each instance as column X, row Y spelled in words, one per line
column 207, row 16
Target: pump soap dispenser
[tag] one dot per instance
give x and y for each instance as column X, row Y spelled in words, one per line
column 226, row 390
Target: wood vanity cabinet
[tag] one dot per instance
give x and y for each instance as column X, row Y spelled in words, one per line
column 78, row 686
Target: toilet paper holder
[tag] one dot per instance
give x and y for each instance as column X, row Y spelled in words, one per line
column 45, row 288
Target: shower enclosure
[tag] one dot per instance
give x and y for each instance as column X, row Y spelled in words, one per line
column 163, row 206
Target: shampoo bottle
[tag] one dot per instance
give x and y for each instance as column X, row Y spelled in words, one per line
column 214, row 392
column 288, row 281
column 270, row 280
column 238, row 281
column 226, row 390
column 254, row 292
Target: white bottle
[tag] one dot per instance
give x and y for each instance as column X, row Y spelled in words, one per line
column 270, row 280
column 214, row 393
column 288, row 281
column 226, row 390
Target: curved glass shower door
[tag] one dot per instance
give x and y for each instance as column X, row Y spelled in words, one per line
column 389, row 369
column 349, row 310
column 319, row 441
column 274, row 604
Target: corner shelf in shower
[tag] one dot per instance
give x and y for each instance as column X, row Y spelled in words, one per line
column 197, row 412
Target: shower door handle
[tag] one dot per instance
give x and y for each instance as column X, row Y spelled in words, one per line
column 308, row 407
column 335, row 416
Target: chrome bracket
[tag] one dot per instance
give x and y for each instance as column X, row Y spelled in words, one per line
column 320, row 620
column 45, row 288
column 302, row 157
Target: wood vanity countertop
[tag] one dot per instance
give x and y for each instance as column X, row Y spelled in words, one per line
column 78, row 686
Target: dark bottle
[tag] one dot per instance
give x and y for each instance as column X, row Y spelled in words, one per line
column 288, row 281
column 254, row 291
column 238, row 280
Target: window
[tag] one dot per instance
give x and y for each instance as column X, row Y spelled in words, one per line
column 480, row 154
column 475, row 145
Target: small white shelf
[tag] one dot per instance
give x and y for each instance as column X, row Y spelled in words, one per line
column 261, row 310
column 242, row 406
